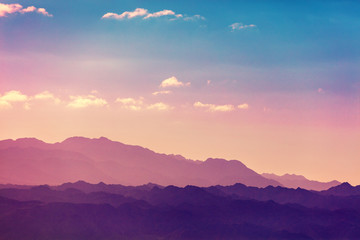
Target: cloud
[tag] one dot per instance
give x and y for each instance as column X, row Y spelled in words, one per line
column 195, row 17
column 173, row 82
column 243, row 106
column 138, row 104
column 321, row 91
column 145, row 14
column 215, row 108
column 159, row 106
column 86, row 101
column 6, row 9
column 4, row 105
column 14, row 96
column 127, row 15
column 46, row 95
column 131, row 103
column 240, row 26
column 161, row 92
column 164, row 12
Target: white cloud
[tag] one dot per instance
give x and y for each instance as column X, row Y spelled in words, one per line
column 240, row 26
column 86, row 101
column 127, row 15
column 164, row 12
column 173, row 82
column 159, row 106
column 161, row 92
column 6, row 9
column 14, row 96
column 46, row 95
column 145, row 14
column 215, row 108
column 131, row 103
column 243, row 106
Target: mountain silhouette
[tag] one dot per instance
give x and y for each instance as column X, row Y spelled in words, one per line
column 33, row 162
column 298, row 181
column 344, row 189
column 215, row 212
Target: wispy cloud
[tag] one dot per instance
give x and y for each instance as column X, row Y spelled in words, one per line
column 138, row 12
column 138, row 104
column 6, row 9
column 160, row 106
column 173, row 82
column 193, row 18
column 145, row 14
column 214, row 107
column 46, row 95
column 5, row 104
column 131, row 103
column 164, row 12
column 243, row 106
column 161, row 92
column 86, row 101
column 240, row 26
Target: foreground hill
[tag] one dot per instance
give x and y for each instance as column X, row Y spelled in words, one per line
column 99, row 211
column 295, row 181
column 31, row 161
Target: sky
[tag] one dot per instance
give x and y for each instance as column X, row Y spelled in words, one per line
column 274, row 84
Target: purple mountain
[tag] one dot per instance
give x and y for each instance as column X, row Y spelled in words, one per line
column 295, row 181
column 32, row 162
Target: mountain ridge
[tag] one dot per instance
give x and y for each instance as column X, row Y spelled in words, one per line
column 115, row 162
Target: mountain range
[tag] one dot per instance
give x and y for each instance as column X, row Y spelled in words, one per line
column 82, row 210
column 295, row 181
column 32, row 162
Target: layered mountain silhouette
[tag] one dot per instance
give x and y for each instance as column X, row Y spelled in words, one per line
column 295, row 181
column 33, row 162
column 100, row 211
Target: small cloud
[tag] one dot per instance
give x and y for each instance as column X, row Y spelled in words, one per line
column 266, row 109
column 173, row 82
column 321, row 91
column 208, row 82
column 4, row 104
column 215, row 108
column 44, row 12
column 240, row 26
column 243, row 106
column 46, row 95
column 27, row 106
column 86, row 101
column 195, row 17
column 6, row 9
column 131, row 103
column 159, row 106
column 161, row 92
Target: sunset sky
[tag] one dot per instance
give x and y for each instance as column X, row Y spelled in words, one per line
column 275, row 85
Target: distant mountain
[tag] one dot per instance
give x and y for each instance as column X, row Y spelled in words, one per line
column 344, row 189
column 217, row 212
column 298, row 181
column 33, row 162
